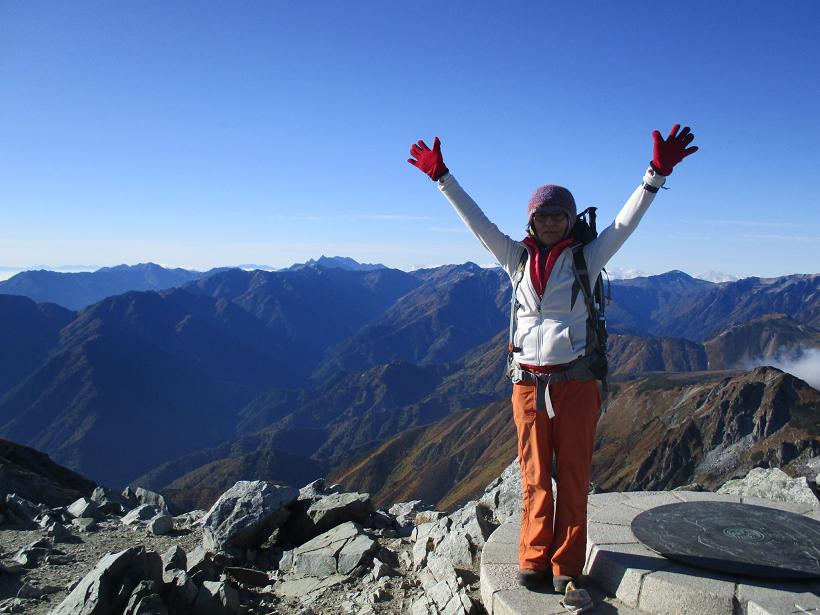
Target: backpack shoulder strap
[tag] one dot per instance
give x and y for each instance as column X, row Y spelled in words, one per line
column 519, row 275
column 581, row 272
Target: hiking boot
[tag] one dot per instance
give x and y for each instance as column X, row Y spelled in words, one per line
column 533, row 578
column 560, row 581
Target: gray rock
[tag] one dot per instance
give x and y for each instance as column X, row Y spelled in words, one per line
column 503, row 495
column 58, row 532
column 174, row 558
column 307, row 589
column 246, row 514
column 247, row 576
column 84, row 524
column 161, row 525
column 189, row 519
column 405, row 512
column 145, row 599
column 85, row 507
column 337, row 508
column 60, row 559
column 182, row 591
column 428, row 516
column 142, row 513
column 106, row 589
column 108, row 501
column 445, row 589
column 201, row 560
column 216, row 598
column 380, row 570
column 458, row 538
column 14, row 605
column 316, row 489
column 49, row 518
column 339, row 550
column 772, row 484
column 145, row 496
column 35, row 592
column 286, row 562
column 11, row 567
column 33, row 554
column 130, row 498
column 19, row 511
column 382, row 520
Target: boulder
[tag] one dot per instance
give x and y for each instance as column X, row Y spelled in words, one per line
column 161, row 525
column 11, row 567
column 216, row 598
column 35, row 592
column 60, row 559
column 246, row 514
column 34, row 554
column 247, row 576
column 174, row 558
column 316, row 489
column 182, row 591
column 145, row 496
column 108, row 501
column 145, row 600
column 84, row 524
column 503, row 495
column 331, row 510
column 200, row 562
column 382, row 520
column 20, row 511
column 107, row 588
column 772, row 484
column 458, row 538
column 187, row 520
column 85, row 507
column 58, row 532
column 142, row 513
column 405, row 512
column 337, row 551
column 444, row 590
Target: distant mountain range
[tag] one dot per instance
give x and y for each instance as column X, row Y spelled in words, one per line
column 78, row 290
column 298, row 373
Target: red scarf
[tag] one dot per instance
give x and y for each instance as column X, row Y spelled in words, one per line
column 540, row 271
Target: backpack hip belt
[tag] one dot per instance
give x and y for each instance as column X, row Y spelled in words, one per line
column 582, row 368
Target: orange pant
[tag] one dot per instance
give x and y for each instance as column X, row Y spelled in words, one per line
column 555, row 541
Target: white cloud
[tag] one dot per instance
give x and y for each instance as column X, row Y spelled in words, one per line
column 618, row 273
column 716, row 276
column 806, row 366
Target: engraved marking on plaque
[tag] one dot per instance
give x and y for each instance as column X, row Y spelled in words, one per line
column 744, row 534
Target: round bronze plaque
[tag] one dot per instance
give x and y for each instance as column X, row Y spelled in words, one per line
column 733, row 538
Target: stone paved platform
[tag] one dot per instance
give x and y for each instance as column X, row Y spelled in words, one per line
column 626, row 577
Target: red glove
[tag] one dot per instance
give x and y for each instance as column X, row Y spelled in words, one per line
column 428, row 160
column 670, row 152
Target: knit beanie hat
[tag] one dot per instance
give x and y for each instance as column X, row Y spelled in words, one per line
column 551, row 199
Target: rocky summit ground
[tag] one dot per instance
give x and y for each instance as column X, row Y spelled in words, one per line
column 266, row 549
column 329, row 552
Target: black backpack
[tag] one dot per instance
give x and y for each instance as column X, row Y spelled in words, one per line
column 583, row 232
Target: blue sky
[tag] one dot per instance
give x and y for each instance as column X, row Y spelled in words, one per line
column 201, row 134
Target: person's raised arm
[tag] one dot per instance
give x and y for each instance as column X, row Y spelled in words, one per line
column 666, row 154
column 431, row 162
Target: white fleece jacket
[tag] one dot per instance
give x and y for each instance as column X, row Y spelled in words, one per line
column 549, row 331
